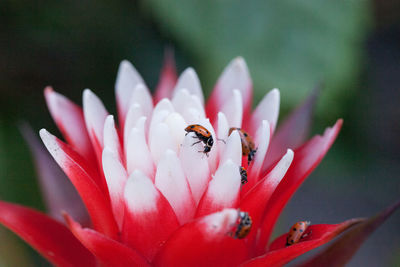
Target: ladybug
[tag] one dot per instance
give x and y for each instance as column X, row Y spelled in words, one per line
column 243, row 175
column 248, row 147
column 296, row 232
column 203, row 135
column 244, row 226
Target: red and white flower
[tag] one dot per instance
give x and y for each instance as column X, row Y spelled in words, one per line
column 153, row 198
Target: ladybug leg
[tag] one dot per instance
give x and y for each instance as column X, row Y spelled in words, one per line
column 306, row 235
column 196, row 143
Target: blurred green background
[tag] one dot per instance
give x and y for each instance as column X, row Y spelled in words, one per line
column 353, row 46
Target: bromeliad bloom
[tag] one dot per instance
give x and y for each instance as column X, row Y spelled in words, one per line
column 155, row 198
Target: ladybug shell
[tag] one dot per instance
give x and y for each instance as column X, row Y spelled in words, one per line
column 199, row 130
column 296, row 232
column 247, row 142
column 244, row 226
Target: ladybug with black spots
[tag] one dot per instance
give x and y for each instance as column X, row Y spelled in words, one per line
column 243, row 175
column 248, row 147
column 297, row 232
column 244, row 226
column 203, row 135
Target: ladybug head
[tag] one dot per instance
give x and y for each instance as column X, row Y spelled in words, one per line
column 210, row 142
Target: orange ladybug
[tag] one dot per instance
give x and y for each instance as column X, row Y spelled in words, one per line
column 244, row 226
column 248, row 147
column 296, row 232
column 203, row 135
column 243, row 175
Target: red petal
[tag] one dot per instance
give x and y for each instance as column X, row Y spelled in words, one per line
column 50, row 238
column 168, row 77
column 306, row 158
column 256, row 200
column 341, row 250
column 149, row 219
column 293, row 131
column 320, row 234
column 107, row 251
column 204, row 242
column 58, row 192
column 97, row 204
column 70, row 121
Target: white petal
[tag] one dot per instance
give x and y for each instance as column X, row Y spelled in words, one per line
column 142, row 96
column 222, row 131
column 111, row 139
column 127, row 79
column 134, row 114
column 95, row 115
column 160, row 112
column 220, row 222
column 138, row 156
column 190, row 81
column 140, row 194
column 278, row 172
column 224, row 188
column 160, row 141
column 233, row 109
column 116, row 177
column 233, row 149
column 195, row 166
column 261, row 140
column 183, row 100
column 171, row 181
column 235, row 76
column 267, row 109
column 176, row 125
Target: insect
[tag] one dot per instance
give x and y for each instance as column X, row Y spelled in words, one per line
column 248, row 147
column 244, row 226
column 243, row 175
column 296, row 232
column 203, row 135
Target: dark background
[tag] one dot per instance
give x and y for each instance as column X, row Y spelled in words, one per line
column 353, row 46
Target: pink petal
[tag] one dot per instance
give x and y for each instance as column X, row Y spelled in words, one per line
column 172, row 183
column 58, row 192
column 70, row 121
column 306, row 159
column 50, row 238
column 204, row 242
column 320, row 234
column 167, row 78
column 293, row 131
column 116, row 177
column 127, row 79
column 267, row 109
column 223, row 190
column 96, row 201
column 256, row 200
column 149, row 219
column 183, row 102
column 235, row 76
column 109, row 252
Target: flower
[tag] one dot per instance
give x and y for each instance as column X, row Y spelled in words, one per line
column 154, row 197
